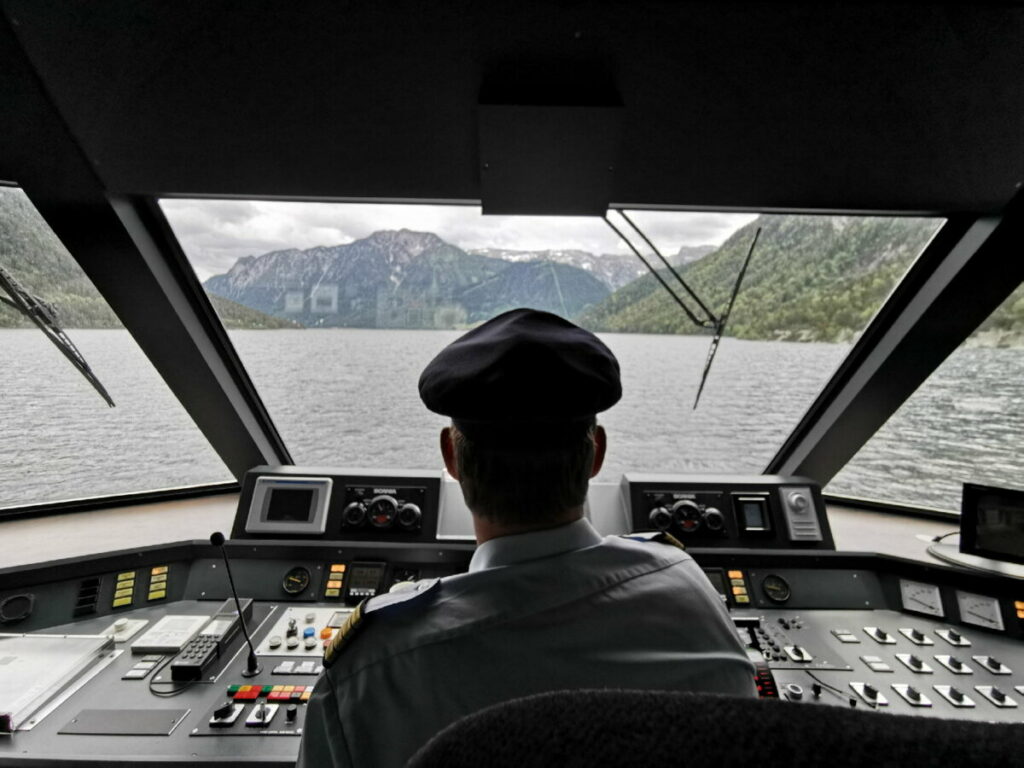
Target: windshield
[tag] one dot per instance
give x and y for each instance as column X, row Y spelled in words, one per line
column 61, row 440
column 336, row 308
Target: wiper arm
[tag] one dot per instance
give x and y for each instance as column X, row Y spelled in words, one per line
column 709, row 321
column 44, row 316
column 720, row 324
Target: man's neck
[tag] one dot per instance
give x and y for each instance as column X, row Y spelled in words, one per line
column 486, row 530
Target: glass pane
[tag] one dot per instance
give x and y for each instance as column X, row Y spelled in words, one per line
column 61, row 441
column 964, row 425
column 348, row 302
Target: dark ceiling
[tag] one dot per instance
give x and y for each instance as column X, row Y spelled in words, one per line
column 768, row 105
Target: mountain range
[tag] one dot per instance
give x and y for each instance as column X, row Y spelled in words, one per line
column 811, row 278
column 401, row 279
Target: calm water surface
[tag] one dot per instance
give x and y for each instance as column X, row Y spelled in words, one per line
column 348, row 398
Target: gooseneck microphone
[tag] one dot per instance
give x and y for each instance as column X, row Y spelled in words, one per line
column 252, row 666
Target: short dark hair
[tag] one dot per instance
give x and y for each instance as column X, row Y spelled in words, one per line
column 518, row 484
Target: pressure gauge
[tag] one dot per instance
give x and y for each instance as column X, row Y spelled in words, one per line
column 979, row 610
column 921, row 598
column 296, row 580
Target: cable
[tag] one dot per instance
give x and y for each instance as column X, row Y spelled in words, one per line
column 181, row 687
column 832, row 689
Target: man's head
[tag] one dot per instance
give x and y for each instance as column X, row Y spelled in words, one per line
column 522, row 391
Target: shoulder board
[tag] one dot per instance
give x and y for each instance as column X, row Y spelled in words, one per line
column 661, row 537
column 362, row 613
column 344, row 634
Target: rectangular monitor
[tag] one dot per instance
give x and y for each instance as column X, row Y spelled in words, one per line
column 992, row 523
column 752, row 513
column 289, row 505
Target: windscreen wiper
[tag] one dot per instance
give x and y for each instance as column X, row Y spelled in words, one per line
column 709, row 320
column 43, row 314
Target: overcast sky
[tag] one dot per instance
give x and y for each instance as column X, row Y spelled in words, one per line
column 216, row 233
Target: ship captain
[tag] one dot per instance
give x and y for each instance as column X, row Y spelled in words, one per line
column 547, row 603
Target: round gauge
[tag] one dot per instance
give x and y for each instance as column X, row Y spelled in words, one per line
column 921, row 598
column 979, row 610
column 776, row 588
column 381, row 511
column 688, row 515
column 296, row 580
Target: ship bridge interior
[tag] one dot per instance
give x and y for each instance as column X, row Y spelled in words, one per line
column 125, row 124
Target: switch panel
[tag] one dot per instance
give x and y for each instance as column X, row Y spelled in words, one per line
column 801, row 518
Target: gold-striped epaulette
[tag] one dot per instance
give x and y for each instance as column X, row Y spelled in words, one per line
column 357, row 620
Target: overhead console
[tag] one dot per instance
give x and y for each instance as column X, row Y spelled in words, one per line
column 759, row 511
column 338, row 504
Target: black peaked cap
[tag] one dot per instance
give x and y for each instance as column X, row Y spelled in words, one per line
column 522, row 368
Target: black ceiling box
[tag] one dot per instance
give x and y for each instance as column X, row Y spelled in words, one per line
column 548, row 160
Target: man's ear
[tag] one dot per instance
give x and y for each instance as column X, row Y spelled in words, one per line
column 600, row 447
column 448, row 453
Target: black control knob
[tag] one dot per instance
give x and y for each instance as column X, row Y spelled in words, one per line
column 998, row 695
column 881, row 634
column 224, row 710
column 955, row 663
column 870, row 692
column 994, row 665
column 291, row 713
column 916, row 635
column 409, row 517
column 687, row 515
column 354, row 515
column 660, row 518
column 915, row 662
column 913, row 694
column 382, row 511
column 954, row 636
column 713, row 519
column 956, row 695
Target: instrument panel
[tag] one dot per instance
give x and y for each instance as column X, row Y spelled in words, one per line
column 136, row 654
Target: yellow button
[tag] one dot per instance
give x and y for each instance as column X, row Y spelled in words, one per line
column 1019, row 605
column 158, row 579
column 742, row 598
column 735, row 574
column 124, row 592
column 158, row 594
column 1020, row 613
column 338, row 568
column 334, row 585
column 305, row 695
column 288, row 688
column 125, row 584
column 332, row 592
column 121, row 601
column 157, row 570
column 739, row 590
column 126, row 575
column 738, row 582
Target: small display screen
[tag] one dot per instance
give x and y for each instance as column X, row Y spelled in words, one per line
column 995, row 517
column 364, row 577
column 753, row 514
column 717, row 579
column 290, row 505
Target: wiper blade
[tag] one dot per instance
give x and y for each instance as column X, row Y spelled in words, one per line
column 44, row 316
column 720, row 323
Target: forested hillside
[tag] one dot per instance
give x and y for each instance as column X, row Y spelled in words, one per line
column 812, row 278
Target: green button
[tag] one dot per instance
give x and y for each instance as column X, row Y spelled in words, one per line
column 233, row 689
column 267, row 688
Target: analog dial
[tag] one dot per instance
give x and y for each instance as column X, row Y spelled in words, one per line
column 296, row 580
column 381, row 511
column 921, row 598
column 979, row 610
column 688, row 515
column 776, row 588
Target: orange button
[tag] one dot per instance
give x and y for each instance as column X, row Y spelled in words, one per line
column 739, row 590
column 326, row 632
column 735, row 574
column 306, row 695
column 1020, row 613
column 338, row 568
column 1019, row 605
column 334, row 585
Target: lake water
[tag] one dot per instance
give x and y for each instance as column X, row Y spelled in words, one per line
column 348, row 398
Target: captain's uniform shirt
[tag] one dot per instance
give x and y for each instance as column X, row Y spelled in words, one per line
column 556, row 609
